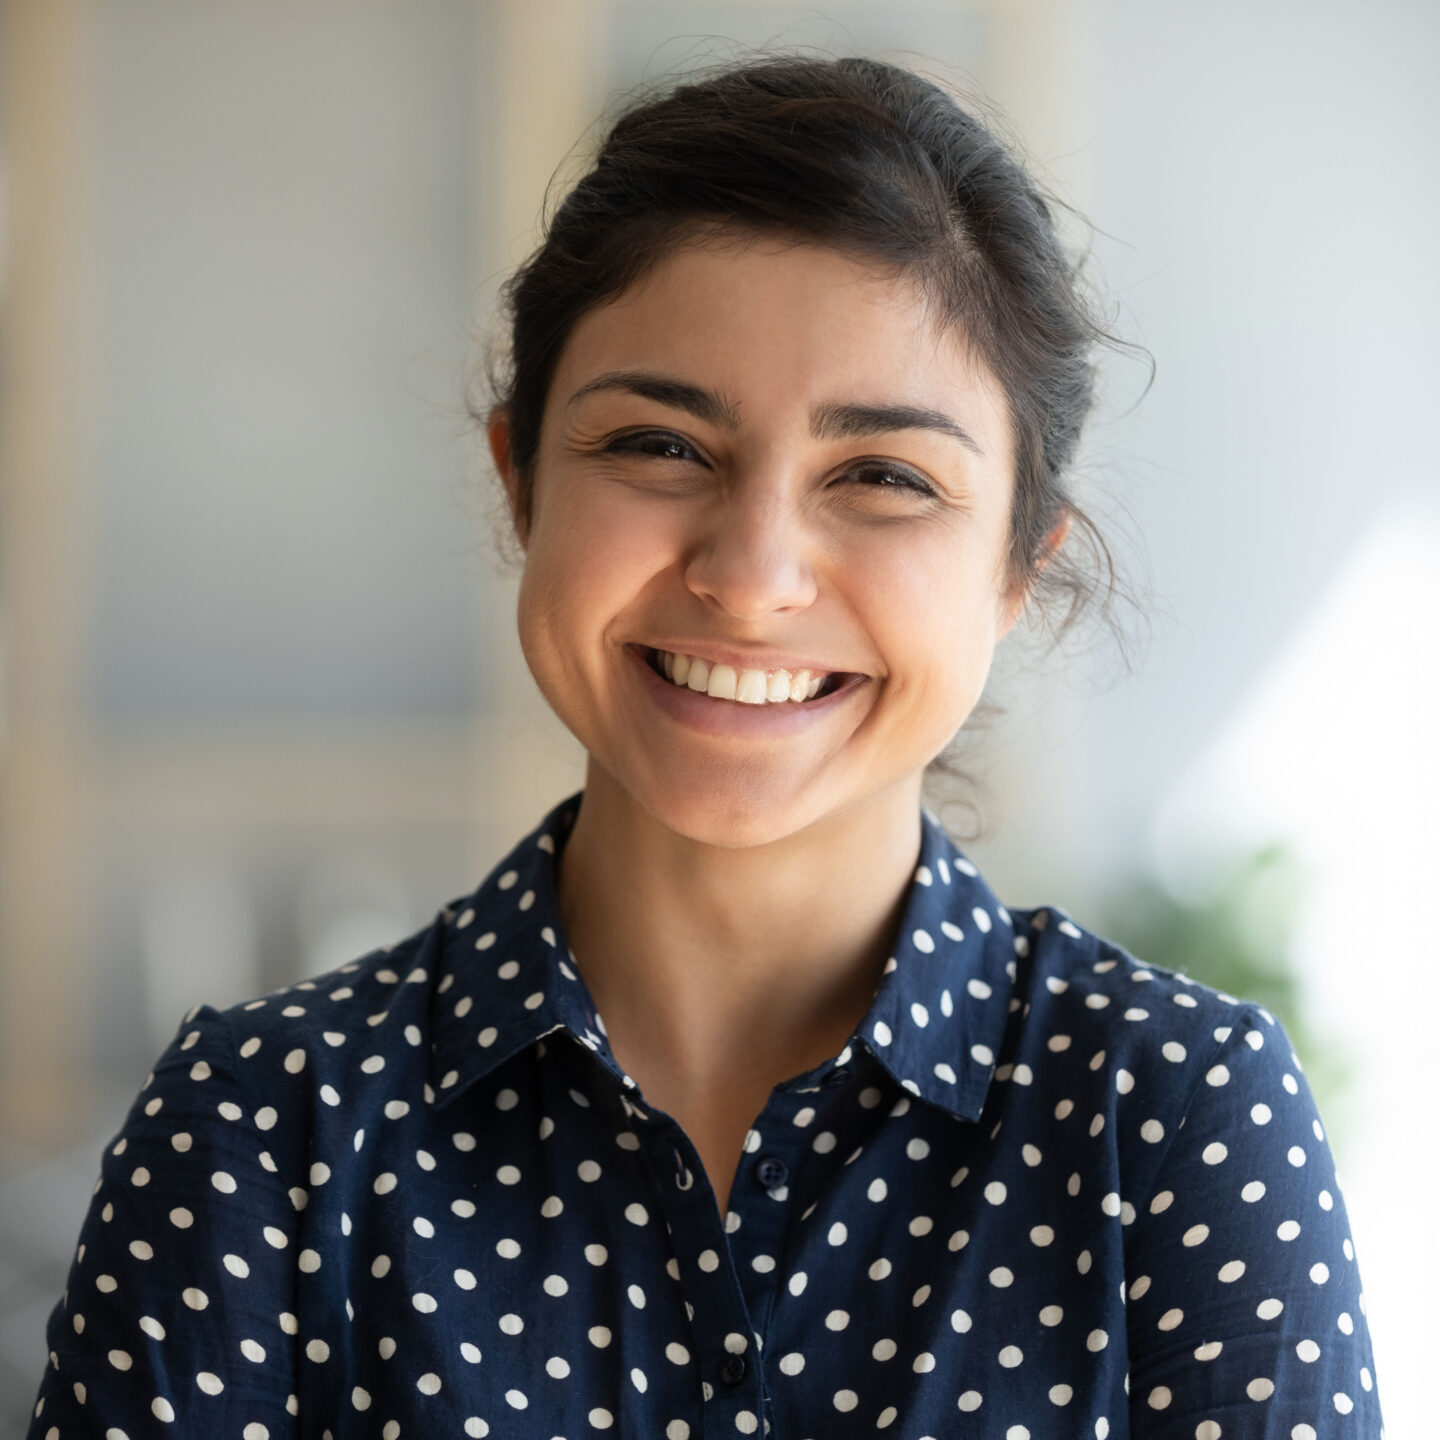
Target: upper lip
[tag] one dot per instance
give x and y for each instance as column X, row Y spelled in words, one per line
column 738, row 660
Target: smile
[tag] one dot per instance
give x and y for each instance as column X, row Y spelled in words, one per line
column 711, row 714
column 747, row 687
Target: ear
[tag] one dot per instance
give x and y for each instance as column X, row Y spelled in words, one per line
column 1016, row 601
column 498, row 434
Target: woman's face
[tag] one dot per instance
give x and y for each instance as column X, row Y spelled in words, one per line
column 763, row 454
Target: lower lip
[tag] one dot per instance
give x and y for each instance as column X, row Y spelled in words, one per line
column 734, row 717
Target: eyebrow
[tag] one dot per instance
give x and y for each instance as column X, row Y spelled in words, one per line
column 832, row 421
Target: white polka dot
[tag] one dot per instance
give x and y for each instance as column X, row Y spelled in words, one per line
column 1261, row 1388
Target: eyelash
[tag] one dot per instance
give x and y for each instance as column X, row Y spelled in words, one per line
column 628, row 443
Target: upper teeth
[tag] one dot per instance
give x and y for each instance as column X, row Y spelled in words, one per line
column 751, row 687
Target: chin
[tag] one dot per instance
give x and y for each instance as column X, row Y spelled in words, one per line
column 741, row 813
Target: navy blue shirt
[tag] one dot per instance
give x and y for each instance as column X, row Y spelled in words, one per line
column 1046, row 1190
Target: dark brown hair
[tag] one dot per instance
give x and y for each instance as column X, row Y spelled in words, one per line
column 883, row 165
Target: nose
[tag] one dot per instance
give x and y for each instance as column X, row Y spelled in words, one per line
column 754, row 557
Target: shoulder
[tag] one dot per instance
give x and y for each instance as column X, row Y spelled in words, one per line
column 350, row 1005
column 1074, row 977
column 298, row 1062
column 1089, row 1005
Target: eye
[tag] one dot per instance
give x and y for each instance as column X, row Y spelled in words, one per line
column 657, row 443
column 893, row 477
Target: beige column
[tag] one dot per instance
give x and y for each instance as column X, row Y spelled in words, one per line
column 45, row 785
column 541, row 88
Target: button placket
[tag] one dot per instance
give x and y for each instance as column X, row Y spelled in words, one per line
column 764, row 1208
column 713, row 1293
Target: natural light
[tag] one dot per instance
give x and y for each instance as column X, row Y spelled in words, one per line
column 1335, row 751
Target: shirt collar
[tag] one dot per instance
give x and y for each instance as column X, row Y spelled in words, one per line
column 508, row 977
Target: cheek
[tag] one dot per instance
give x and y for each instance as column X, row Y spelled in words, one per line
column 933, row 618
column 588, row 559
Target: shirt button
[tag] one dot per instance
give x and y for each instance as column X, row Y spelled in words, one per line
column 773, row 1173
column 732, row 1372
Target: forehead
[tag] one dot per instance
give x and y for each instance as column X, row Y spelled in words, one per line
column 773, row 322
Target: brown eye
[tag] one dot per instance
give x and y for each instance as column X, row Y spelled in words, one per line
column 657, row 443
column 892, row 477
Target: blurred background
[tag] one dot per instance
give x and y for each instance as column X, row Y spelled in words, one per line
column 262, row 706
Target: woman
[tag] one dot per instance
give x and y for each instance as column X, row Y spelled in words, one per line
column 793, row 384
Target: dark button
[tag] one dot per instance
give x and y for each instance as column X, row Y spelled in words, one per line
column 773, row 1173
column 732, row 1372
column 837, row 1076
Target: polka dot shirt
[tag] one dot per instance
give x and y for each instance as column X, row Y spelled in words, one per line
column 1046, row 1190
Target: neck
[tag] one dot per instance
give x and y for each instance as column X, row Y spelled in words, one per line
column 702, row 958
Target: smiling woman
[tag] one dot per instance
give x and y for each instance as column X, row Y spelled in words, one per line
column 793, row 385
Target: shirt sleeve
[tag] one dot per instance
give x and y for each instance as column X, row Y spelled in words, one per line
column 1245, row 1314
column 178, row 1307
